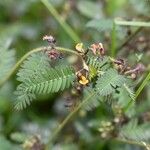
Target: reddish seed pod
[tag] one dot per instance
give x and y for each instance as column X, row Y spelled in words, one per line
column 138, row 69
column 97, row 48
column 119, row 61
column 53, row 54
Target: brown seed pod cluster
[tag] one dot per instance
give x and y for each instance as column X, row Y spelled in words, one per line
column 97, row 49
column 139, row 68
column 50, row 39
column 52, row 53
column 123, row 68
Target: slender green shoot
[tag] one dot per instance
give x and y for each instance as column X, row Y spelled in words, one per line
column 139, row 90
column 132, row 23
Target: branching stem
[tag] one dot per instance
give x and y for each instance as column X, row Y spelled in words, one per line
column 13, row 70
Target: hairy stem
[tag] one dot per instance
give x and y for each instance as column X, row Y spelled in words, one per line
column 61, row 21
column 13, row 70
column 142, row 144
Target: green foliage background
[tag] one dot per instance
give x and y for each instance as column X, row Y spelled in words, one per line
column 23, row 23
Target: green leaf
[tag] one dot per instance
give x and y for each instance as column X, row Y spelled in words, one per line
column 107, row 83
column 34, row 64
column 93, row 101
column 38, row 77
column 124, row 95
column 129, row 91
column 50, row 81
column 98, row 63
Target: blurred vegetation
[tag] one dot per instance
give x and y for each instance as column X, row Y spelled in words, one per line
column 23, row 23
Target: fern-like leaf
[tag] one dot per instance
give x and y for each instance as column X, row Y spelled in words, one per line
column 38, row 77
column 129, row 91
column 32, row 66
column 52, row 80
column 109, row 81
column 97, row 63
column 93, row 99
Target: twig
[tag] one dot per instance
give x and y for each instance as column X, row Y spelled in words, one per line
column 61, row 21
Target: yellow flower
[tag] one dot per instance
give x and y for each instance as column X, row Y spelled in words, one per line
column 79, row 48
column 83, row 80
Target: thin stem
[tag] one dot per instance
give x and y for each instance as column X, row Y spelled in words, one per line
column 61, row 21
column 13, row 70
column 132, row 23
column 60, row 127
column 141, row 87
column 65, row 121
column 139, row 90
column 142, row 144
column 67, row 50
